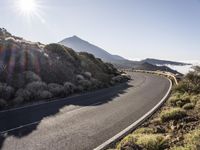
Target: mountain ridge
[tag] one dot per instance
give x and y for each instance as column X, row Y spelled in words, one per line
column 79, row 45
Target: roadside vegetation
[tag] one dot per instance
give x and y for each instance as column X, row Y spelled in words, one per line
column 33, row 72
column 176, row 126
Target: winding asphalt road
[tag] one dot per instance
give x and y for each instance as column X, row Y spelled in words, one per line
column 81, row 122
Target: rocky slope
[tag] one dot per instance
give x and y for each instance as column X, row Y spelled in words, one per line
column 33, row 71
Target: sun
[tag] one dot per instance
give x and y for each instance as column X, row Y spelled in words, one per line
column 27, row 6
column 30, row 9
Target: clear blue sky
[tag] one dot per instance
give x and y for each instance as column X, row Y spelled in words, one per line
column 167, row 29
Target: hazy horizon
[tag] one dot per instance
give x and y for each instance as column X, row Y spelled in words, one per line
column 133, row 29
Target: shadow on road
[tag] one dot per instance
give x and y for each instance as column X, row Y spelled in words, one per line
column 16, row 118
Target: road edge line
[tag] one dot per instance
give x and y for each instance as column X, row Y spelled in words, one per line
column 133, row 126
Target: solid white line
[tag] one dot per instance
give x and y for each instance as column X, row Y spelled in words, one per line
column 130, row 128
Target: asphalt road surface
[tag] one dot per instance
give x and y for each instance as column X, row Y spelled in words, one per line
column 81, row 122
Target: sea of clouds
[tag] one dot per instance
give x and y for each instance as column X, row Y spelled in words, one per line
column 187, row 68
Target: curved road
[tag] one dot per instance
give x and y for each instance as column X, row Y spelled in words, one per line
column 81, row 122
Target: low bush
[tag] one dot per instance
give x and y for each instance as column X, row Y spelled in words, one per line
column 34, row 87
column 31, row 77
column 182, row 87
column 23, row 94
column 88, row 75
column 69, row 88
column 144, row 131
column 144, row 141
column 56, row 89
column 79, row 77
column 188, row 106
column 3, row 103
column 86, row 84
column 192, row 140
column 195, row 98
column 128, row 141
column 179, row 100
column 57, row 50
column 172, row 114
column 197, row 106
column 44, row 95
column 6, row 92
column 151, row 141
column 17, row 100
column 180, row 148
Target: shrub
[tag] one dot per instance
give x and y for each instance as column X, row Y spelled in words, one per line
column 151, row 141
column 195, row 99
column 69, row 88
column 56, row 89
column 6, row 92
column 188, row 106
column 172, row 114
column 34, row 87
column 179, row 100
column 182, row 87
column 18, row 100
column 44, row 95
column 24, row 94
column 144, row 141
column 144, row 131
column 88, row 75
column 126, row 142
column 31, row 77
column 180, row 148
column 3, row 103
column 22, row 79
column 95, row 83
column 79, row 77
column 192, row 140
column 57, row 50
column 86, row 84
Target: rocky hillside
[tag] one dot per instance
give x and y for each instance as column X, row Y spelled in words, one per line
column 34, row 71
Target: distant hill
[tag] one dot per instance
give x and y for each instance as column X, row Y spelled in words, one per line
column 163, row 62
column 150, row 67
column 80, row 45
